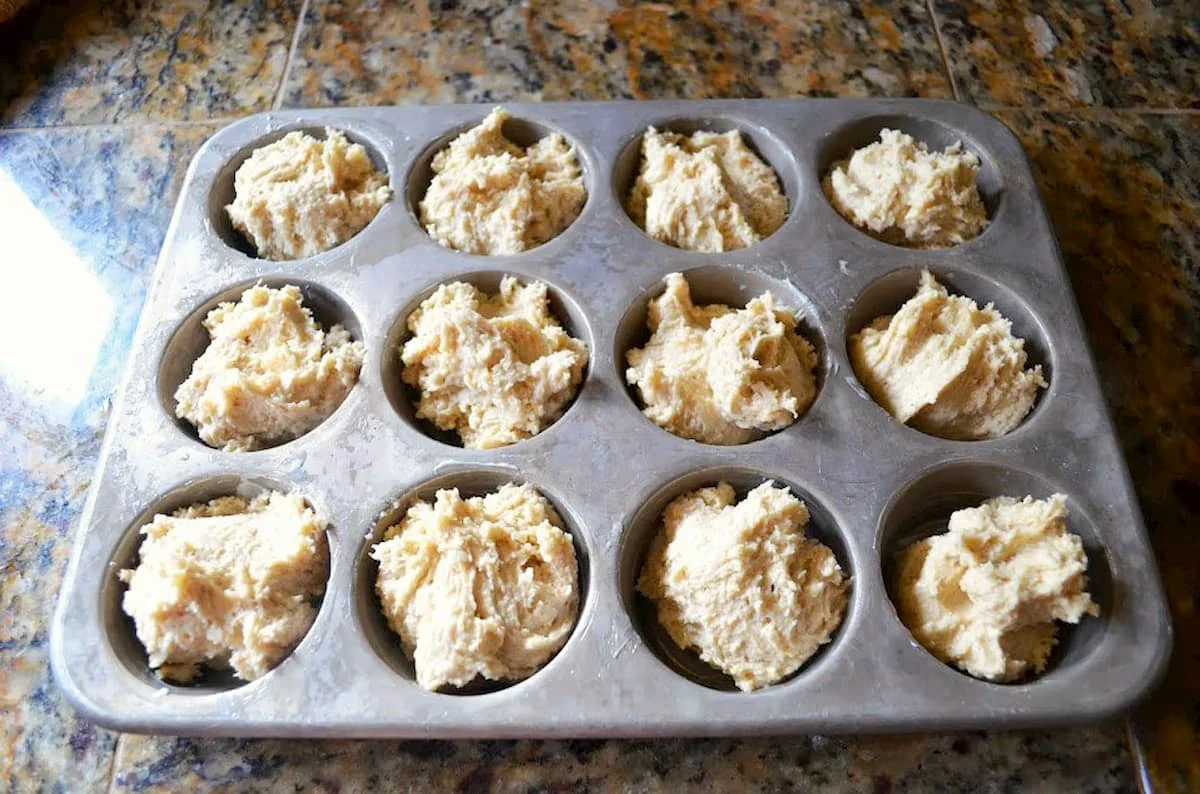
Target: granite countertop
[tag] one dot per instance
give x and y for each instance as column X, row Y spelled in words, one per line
column 103, row 103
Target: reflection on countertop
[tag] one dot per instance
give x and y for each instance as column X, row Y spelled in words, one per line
column 104, row 104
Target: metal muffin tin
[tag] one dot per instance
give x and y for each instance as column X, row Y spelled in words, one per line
column 872, row 484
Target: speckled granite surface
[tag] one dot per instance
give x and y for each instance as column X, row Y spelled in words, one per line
column 101, row 62
column 381, row 53
column 1078, row 760
column 1124, row 194
column 1068, row 54
column 88, row 208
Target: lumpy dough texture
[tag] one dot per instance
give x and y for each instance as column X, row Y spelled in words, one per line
column 300, row 195
column 705, row 192
column 494, row 369
column 722, row 375
column 480, row 587
column 490, row 196
column 904, row 194
column 985, row 595
column 227, row 583
column 947, row 367
column 741, row 584
column 269, row 374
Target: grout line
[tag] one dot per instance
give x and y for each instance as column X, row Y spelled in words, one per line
column 291, row 56
column 112, row 772
column 937, row 34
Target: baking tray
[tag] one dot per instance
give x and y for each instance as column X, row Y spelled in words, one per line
column 872, row 484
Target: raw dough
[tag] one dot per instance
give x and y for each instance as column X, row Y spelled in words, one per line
column 300, row 195
column 720, row 375
column 904, row 194
column 486, row 586
column 705, row 192
column 984, row 596
column 741, row 584
column 228, row 583
column 494, row 369
column 488, row 196
column 947, row 367
column 269, row 375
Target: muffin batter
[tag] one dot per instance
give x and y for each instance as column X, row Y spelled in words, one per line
column 489, row 196
column 494, row 369
column 904, row 194
column 269, row 374
column 230, row 583
column 300, row 195
column 720, row 375
column 480, row 587
column 985, row 595
column 741, row 584
column 705, row 192
column 946, row 367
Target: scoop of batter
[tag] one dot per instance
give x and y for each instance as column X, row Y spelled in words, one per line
column 946, row 367
column 480, row 587
column 904, row 194
column 985, row 595
column 494, row 369
column 489, row 196
column 741, row 584
column 705, row 191
column 300, row 195
column 228, row 583
column 269, row 374
column 722, row 375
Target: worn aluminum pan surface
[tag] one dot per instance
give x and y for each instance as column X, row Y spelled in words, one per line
column 871, row 483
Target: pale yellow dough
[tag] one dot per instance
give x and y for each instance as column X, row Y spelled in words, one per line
column 722, row 375
column 985, row 595
column 947, row 367
column 494, row 369
column 480, row 587
column 904, row 194
column 705, row 192
column 741, row 584
column 301, row 195
column 489, row 196
column 269, row 374
column 228, row 583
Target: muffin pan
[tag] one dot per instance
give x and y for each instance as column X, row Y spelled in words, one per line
column 872, row 483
